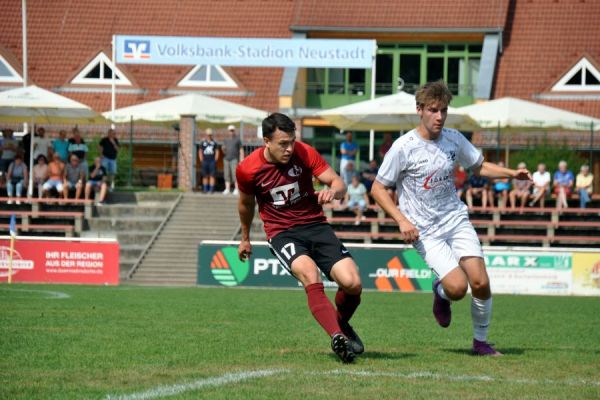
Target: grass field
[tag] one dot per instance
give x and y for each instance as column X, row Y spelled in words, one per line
column 81, row 342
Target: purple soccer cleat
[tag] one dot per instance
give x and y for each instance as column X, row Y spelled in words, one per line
column 484, row 349
column 441, row 307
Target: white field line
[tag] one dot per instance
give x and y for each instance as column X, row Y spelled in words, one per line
column 171, row 390
column 49, row 294
column 232, row 378
column 460, row 378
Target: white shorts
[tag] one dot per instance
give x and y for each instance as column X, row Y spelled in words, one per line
column 442, row 253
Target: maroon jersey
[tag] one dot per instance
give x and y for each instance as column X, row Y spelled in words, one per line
column 284, row 192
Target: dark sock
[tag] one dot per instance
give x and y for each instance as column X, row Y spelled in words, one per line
column 322, row 309
column 346, row 304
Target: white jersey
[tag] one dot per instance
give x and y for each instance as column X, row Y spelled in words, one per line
column 423, row 173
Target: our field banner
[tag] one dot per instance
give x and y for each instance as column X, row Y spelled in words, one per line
column 384, row 269
column 248, row 52
column 59, row 260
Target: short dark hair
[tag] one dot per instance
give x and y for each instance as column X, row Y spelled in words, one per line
column 277, row 121
column 433, row 91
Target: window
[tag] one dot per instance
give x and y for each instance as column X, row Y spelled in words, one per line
column 207, row 76
column 99, row 72
column 8, row 73
column 583, row 77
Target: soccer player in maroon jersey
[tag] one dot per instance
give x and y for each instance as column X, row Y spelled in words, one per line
column 278, row 176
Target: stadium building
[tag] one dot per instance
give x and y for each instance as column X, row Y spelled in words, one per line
column 546, row 51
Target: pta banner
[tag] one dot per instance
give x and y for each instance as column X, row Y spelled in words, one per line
column 384, row 269
column 39, row 260
column 178, row 50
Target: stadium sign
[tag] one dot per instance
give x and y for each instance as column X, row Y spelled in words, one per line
column 248, row 52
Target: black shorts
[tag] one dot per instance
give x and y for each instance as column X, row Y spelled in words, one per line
column 209, row 168
column 318, row 241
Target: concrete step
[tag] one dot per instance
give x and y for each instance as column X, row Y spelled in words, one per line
column 131, row 250
column 125, row 224
column 124, row 210
column 134, row 237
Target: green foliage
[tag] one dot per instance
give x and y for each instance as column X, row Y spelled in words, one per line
column 549, row 154
column 127, row 340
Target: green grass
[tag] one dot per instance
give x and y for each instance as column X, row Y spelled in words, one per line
column 111, row 341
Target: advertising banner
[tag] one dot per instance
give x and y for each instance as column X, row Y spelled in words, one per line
column 60, row 261
column 270, row 52
column 586, row 274
column 529, row 272
column 382, row 269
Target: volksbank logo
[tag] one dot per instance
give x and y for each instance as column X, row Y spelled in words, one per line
column 137, row 49
column 226, row 267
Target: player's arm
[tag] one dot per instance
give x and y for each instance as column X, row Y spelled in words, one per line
column 491, row 170
column 408, row 231
column 336, row 187
column 246, row 204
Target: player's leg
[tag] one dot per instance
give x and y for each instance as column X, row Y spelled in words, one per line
column 294, row 256
column 466, row 247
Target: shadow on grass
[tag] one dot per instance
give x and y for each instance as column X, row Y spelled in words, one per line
column 513, row 351
column 377, row 355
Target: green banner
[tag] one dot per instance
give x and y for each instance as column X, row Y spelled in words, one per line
column 380, row 268
column 536, row 259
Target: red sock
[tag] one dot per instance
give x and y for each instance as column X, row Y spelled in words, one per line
column 346, row 304
column 322, row 309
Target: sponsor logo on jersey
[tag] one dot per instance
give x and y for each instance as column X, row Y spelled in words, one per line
column 226, row 267
column 295, row 171
column 434, row 180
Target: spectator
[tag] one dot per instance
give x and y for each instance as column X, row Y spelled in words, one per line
column 348, row 172
column 26, row 146
column 109, row 146
column 521, row 190
column 9, row 150
column 56, row 172
column 17, row 177
column 60, row 145
column 74, row 177
column 356, row 198
column 233, row 153
column 209, row 155
column 348, row 150
column 584, row 185
column 501, row 188
column 97, row 181
column 40, row 174
column 541, row 185
column 41, row 144
column 369, row 174
column 478, row 186
column 78, row 147
column 386, row 145
column 563, row 184
column 460, row 180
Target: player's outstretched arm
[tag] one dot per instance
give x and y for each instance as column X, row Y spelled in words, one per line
column 408, row 231
column 337, row 188
column 491, row 170
column 246, row 205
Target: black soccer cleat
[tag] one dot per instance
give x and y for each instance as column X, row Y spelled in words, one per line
column 356, row 344
column 341, row 346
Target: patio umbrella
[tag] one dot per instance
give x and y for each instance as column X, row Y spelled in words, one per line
column 34, row 104
column 508, row 114
column 395, row 112
column 209, row 109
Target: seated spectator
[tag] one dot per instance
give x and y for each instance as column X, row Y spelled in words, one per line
column 356, row 198
column 40, row 174
column 369, row 175
column 541, row 185
column 584, row 185
column 563, row 184
column 521, row 190
column 348, row 172
column 501, row 189
column 97, row 181
column 460, row 180
column 16, row 178
column 56, row 172
column 478, row 186
column 74, row 177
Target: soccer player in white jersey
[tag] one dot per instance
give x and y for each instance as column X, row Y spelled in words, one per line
column 429, row 214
